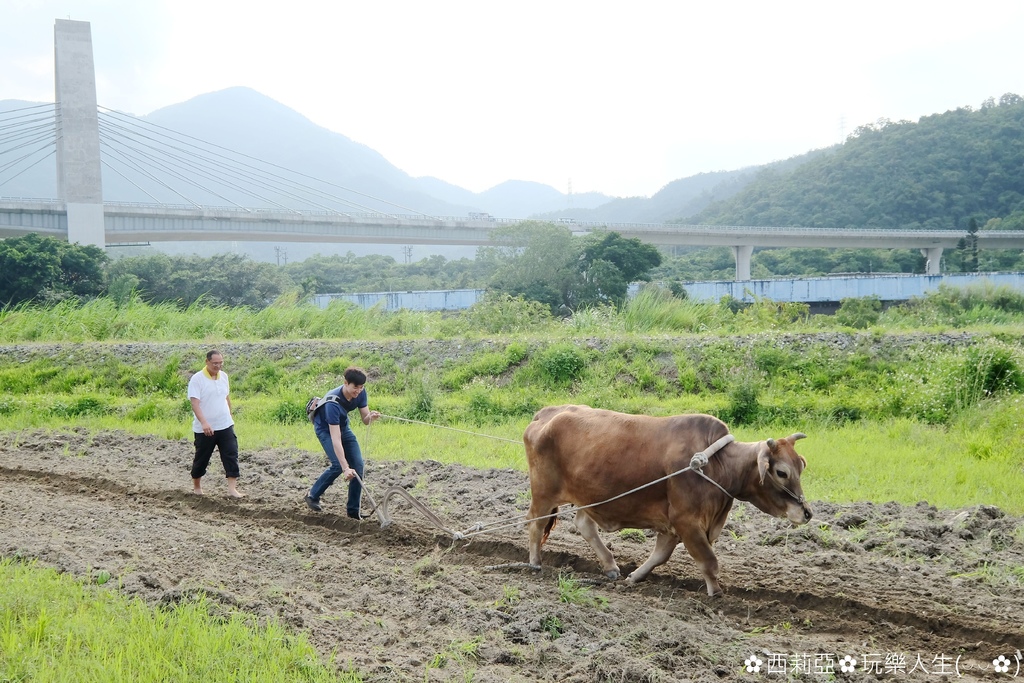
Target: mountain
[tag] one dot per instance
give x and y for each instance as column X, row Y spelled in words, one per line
column 937, row 173
column 236, row 146
column 676, row 201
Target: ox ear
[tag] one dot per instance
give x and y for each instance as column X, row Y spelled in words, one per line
column 764, row 461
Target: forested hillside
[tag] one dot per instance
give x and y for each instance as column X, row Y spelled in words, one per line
column 937, row 173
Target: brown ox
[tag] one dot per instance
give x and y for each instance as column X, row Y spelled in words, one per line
column 582, row 455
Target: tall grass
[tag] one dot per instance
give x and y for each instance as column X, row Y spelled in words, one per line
column 103, row 320
column 652, row 311
column 656, row 309
column 55, row 628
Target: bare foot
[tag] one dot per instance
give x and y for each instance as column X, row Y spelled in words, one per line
column 236, row 494
column 197, row 492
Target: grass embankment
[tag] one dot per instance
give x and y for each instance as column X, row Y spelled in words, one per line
column 899, row 413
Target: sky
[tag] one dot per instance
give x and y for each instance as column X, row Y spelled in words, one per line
column 585, row 96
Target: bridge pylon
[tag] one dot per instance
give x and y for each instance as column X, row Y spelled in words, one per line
column 79, row 176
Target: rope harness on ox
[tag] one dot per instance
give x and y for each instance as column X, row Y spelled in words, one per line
column 697, row 463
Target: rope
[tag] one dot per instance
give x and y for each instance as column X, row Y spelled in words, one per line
column 487, row 436
column 697, row 463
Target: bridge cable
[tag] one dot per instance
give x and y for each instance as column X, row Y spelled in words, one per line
column 251, row 178
column 49, row 137
column 231, row 169
column 165, row 166
column 145, row 172
column 48, row 144
column 342, row 187
column 27, row 167
column 141, row 189
column 50, row 105
column 127, row 147
column 47, row 123
column 170, row 171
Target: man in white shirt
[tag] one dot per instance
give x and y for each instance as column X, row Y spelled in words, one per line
column 213, row 426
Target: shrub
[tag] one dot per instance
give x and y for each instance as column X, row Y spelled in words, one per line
column 290, row 411
column 144, row 412
column 421, row 403
column 562, row 363
column 655, row 308
column 991, row 368
column 859, row 313
column 490, row 364
column 84, row 405
column 743, row 406
column 498, row 313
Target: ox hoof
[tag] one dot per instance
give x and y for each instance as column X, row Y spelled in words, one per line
column 534, row 567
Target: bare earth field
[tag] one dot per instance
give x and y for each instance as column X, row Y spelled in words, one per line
column 911, row 593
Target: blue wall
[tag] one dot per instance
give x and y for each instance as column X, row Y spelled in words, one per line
column 807, row 290
column 835, row 289
column 436, row 300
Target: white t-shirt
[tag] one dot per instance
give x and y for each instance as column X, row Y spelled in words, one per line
column 213, row 400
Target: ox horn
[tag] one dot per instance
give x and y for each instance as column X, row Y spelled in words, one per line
column 797, row 436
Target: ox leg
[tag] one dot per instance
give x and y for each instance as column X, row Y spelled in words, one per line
column 699, row 547
column 589, row 530
column 663, row 548
column 537, row 529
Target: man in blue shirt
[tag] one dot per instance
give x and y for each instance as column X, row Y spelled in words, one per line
column 331, row 424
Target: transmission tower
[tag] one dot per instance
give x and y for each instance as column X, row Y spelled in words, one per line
column 407, row 250
column 569, row 195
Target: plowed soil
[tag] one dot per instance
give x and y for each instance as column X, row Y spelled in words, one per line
column 911, row 593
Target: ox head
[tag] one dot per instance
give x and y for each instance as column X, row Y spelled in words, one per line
column 779, row 467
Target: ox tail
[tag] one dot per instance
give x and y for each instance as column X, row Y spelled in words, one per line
column 550, row 526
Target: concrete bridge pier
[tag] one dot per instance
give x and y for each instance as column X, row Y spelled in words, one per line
column 742, row 255
column 932, row 256
column 79, row 178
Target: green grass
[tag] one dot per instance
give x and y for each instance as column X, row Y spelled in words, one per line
column 54, row 628
column 906, row 461
column 572, row 593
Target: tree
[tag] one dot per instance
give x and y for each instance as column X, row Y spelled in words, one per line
column 536, row 261
column 46, row 270
column 544, row 262
column 610, row 262
column 223, row 279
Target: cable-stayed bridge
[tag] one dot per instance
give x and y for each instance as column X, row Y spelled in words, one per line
column 198, row 191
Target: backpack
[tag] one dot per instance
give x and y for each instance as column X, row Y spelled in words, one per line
column 315, row 403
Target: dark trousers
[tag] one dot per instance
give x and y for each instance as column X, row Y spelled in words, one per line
column 227, row 445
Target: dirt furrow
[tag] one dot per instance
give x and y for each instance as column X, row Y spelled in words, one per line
column 408, row 603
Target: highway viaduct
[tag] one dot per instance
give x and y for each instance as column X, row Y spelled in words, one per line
column 140, row 223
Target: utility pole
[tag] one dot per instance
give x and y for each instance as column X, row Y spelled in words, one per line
column 569, row 196
column 407, row 250
column 282, row 255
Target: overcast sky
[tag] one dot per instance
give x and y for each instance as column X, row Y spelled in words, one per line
column 614, row 97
